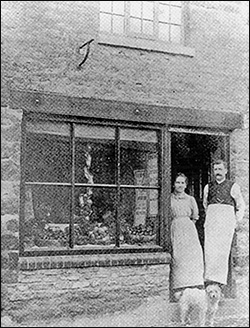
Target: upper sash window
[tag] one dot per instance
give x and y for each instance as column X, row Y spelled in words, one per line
column 158, row 20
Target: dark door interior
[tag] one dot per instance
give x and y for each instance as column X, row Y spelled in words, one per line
column 192, row 153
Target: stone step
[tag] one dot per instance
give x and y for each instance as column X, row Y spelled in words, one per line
column 228, row 309
column 233, row 307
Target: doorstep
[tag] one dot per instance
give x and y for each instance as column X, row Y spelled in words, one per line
column 230, row 308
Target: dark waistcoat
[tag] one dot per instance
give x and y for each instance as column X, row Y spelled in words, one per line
column 219, row 193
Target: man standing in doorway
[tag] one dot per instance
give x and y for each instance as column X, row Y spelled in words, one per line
column 224, row 207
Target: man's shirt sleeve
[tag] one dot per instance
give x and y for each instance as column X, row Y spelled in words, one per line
column 205, row 195
column 240, row 203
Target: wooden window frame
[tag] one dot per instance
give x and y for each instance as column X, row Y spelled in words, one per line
column 161, row 236
column 155, row 20
column 153, row 42
column 54, row 106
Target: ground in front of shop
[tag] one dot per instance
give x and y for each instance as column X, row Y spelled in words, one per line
column 155, row 311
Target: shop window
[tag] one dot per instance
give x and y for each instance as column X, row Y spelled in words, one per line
column 90, row 187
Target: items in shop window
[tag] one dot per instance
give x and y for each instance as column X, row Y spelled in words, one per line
column 140, row 198
column 35, row 232
column 100, row 235
column 85, row 201
column 56, row 235
column 85, row 204
column 141, row 234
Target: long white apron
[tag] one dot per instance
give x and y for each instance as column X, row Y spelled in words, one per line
column 188, row 262
column 219, row 230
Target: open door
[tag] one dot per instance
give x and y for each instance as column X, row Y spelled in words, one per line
column 192, row 153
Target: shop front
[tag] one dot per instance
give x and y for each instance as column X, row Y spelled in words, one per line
column 96, row 179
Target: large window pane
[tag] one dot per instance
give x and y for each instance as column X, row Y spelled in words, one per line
column 117, row 159
column 139, row 217
column 148, row 10
column 94, row 154
column 48, row 152
column 105, row 6
column 105, row 22
column 135, row 25
column 118, row 7
column 118, row 24
column 139, row 157
column 175, row 34
column 94, row 217
column 176, row 15
column 164, row 15
column 47, row 217
column 136, row 8
column 147, row 27
column 164, row 32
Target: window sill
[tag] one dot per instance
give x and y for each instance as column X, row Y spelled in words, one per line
column 145, row 44
column 84, row 261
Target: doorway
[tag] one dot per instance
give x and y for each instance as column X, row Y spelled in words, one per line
column 192, row 153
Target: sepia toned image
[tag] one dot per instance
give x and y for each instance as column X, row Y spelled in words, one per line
column 125, row 164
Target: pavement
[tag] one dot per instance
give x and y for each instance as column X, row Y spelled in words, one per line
column 156, row 311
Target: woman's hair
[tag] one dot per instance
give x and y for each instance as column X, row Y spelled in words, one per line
column 181, row 175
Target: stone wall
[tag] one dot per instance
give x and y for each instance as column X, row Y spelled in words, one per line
column 78, row 288
column 10, row 185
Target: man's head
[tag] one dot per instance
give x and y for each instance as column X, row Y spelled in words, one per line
column 220, row 170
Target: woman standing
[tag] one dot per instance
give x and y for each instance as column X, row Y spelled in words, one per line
column 187, row 268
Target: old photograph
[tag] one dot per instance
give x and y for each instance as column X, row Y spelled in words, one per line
column 124, row 163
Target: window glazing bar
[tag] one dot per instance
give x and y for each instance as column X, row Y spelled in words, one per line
column 160, row 177
column 96, row 185
column 117, row 178
column 22, row 186
column 30, row 183
column 139, row 187
column 197, row 131
column 72, row 203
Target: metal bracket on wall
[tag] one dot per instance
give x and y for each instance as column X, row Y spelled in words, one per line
column 87, row 52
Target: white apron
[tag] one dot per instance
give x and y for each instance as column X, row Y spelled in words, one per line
column 219, row 230
column 188, row 262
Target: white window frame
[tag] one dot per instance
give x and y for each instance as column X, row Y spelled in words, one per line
column 152, row 42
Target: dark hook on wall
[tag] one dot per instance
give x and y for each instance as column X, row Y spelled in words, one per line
column 87, row 51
